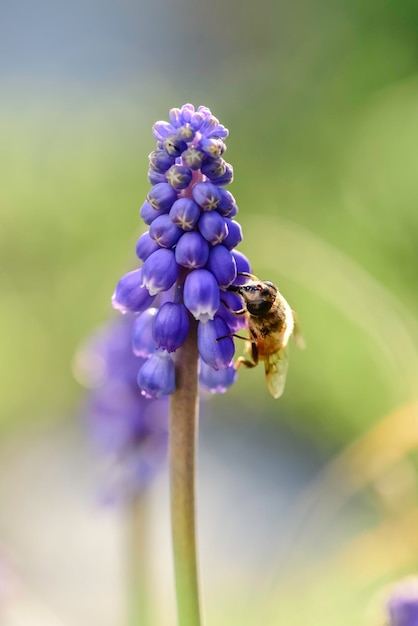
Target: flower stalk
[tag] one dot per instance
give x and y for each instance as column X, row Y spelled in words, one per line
column 182, row 460
column 138, row 558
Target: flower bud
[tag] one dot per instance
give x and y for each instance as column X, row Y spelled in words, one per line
column 179, row 176
column 213, row 227
column 216, row 381
column 216, row 354
column 187, row 112
column 212, row 147
column 243, row 265
column 145, row 246
column 160, row 161
column 156, row 177
column 174, row 145
column 156, row 376
column 193, row 158
column 201, row 295
column 206, row 195
column 192, row 251
column 164, row 232
column 222, row 265
column 175, row 117
column 234, row 236
column 162, row 129
column 226, row 178
column 149, row 214
column 171, row 326
column 185, row 213
column 186, row 132
column 130, row 294
column 213, row 168
column 162, row 196
column 159, row 271
column 226, row 203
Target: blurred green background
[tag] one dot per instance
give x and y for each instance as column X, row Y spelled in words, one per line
column 321, row 100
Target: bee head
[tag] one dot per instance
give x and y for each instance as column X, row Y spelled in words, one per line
column 258, row 296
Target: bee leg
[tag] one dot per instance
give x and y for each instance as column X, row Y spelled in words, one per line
column 248, row 275
column 240, row 312
column 248, row 362
column 232, row 335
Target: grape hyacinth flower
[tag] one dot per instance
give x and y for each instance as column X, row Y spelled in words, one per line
column 188, row 249
column 183, row 306
column 402, row 606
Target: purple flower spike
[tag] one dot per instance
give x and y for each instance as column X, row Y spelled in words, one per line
column 188, row 253
column 216, row 354
column 179, row 176
column 162, row 196
column 156, row 377
column 403, row 604
column 143, row 343
column 201, row 295
column 213, row 227
column 164, row 232
column 145, row 246
column 234, row 236
column 171, row 326
column 160, row 271
column 192, row 251
column 206, row 195
column 222, row 265
column 130, row 294
column 185, row 213
column 216, row 381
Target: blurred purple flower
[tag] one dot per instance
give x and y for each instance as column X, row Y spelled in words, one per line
column 187, row 252
column 402, row 606
column 130, row 431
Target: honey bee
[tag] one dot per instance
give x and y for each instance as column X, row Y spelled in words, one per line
column 270, row 322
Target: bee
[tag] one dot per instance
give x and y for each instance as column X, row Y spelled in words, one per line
column 270, row 323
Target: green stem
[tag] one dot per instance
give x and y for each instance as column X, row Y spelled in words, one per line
column 139, row 587
column 182, row 453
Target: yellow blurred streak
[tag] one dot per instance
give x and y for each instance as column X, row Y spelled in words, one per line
column 381, row 551
column 371, row 460
column 314, row 263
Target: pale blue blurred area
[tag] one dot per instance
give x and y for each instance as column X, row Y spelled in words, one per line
column 96, row 44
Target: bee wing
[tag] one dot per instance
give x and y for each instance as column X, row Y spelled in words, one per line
column 300, row 341
column 276, row 370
